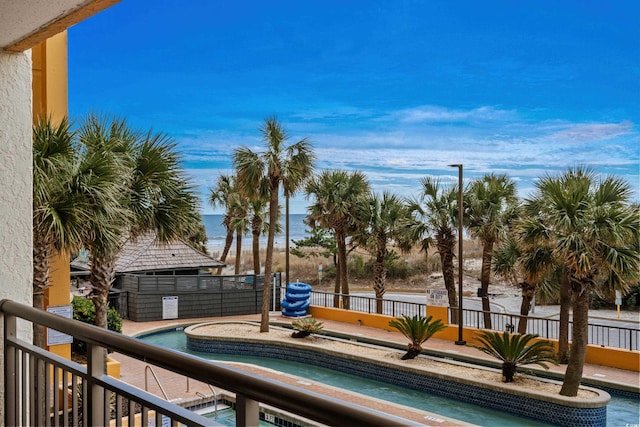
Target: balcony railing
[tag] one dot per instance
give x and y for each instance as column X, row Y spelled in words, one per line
column 44, row 389
column 605, row 335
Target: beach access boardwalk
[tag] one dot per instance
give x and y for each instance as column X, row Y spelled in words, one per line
column 133, row 371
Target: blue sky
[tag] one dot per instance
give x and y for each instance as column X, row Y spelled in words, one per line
column 395, row 89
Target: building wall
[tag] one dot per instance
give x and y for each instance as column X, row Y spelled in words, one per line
column 50, row 78
column 148, row 306
column 16, row 241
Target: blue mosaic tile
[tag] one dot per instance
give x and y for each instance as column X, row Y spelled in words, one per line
column 547, row 412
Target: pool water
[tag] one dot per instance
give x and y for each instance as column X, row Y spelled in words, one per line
column 621, row 410
column 227, row 417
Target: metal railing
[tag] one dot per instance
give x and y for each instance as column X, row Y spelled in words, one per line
column 367, row 304
column 604, row 335
column 598, row 334
column 42, row 388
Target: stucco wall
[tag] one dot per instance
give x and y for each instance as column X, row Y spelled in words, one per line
column 15, row 186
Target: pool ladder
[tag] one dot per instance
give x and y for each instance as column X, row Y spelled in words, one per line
column 149, row 368
column 215, row 399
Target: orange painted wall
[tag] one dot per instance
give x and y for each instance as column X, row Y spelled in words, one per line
column 605, row 356
column 50, row 99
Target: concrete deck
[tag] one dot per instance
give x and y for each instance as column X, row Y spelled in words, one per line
column 176, row 387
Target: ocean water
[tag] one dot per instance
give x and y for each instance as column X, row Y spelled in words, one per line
column 216, row 232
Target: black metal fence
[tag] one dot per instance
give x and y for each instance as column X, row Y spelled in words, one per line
column 367, row 304
column 599, row 334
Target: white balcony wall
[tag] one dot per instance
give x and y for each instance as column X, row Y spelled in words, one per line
column 16, row 243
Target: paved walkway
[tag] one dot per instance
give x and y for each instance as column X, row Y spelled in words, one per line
column 177, row 387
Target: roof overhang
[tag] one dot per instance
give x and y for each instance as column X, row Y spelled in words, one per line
column 26, row 23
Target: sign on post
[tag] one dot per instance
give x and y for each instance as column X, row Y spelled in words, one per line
column 55, row 337
column 437, row 297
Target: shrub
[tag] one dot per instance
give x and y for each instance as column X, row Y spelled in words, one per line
column 357, row 267
column 513, row 350
column 85, row 311
column 418, row 329
column 306, row 327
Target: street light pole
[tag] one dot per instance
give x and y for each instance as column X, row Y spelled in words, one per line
column 460, row 341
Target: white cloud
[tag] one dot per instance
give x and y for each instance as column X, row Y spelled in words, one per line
column 395, row 155
column 436, row 114
column 588, row 132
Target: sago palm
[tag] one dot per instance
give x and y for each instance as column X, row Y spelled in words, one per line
column 335, row 195
column 417, row 329
column 260, row 174
column 514, row 350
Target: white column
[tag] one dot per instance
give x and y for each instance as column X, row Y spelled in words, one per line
column 16, row 245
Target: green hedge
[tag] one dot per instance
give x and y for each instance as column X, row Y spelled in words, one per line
column 85, row 311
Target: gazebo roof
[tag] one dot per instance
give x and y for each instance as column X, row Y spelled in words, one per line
column 147, row 253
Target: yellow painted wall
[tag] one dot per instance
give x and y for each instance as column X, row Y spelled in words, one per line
column 604, row 356
column 50, row 78
column 50, row 99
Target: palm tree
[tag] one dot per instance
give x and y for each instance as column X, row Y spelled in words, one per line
column 491, row 205
column 380, row 223
column 58, row 211
column 222, row 196
column 290, row 185
column 260, row 174
column 240, row 225
column 513, row 350
column 525, row 259
column 418, row 330
column 336, row 194
column 435, row 213
column 592, row 225
column 197, row 236
column 151, row 193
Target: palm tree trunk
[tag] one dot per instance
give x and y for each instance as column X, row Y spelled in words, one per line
column 528, row 292
column 268, row 261
column 445, row 250
column 255, row 231
column 342, row 268
column 565, row 306
column 228, row 240
column 336, row 289
column 238, row 251
column 41, row 255
column 579, row 339
column 101, row 277
column 379, row 276
column 485, row 278
column 286, row 243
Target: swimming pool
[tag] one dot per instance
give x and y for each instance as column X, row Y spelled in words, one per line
column 620, row 411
